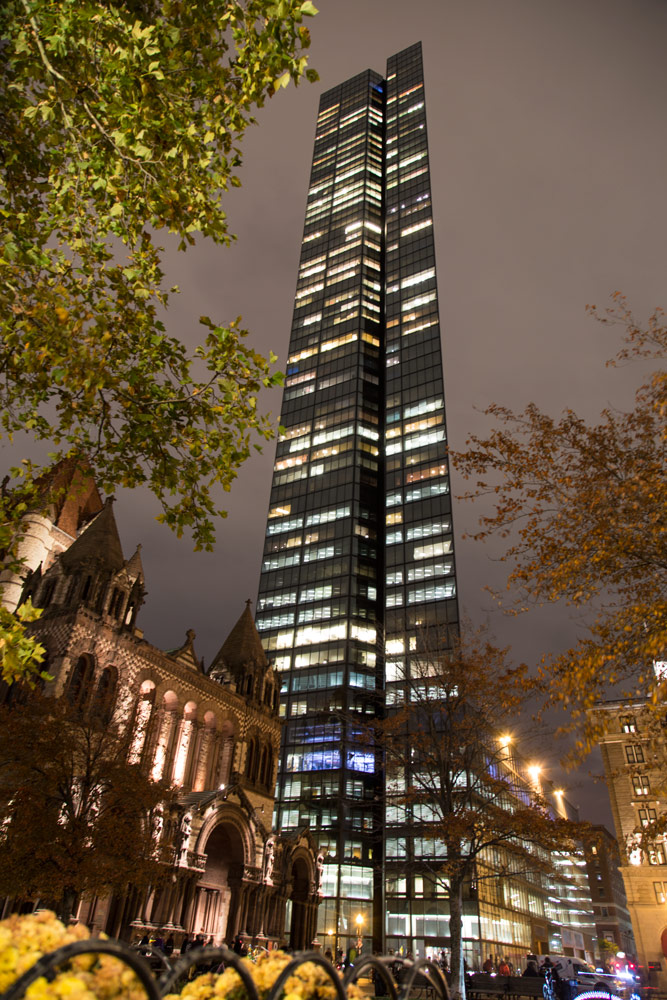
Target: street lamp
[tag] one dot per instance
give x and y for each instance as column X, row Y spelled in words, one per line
column 360, row 923
column 535, row 771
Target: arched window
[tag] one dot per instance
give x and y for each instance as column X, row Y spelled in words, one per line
column 71, row 589
column 47, row 592
column 250, row 761
column 266, row 768
column 117, row 603
column 105, row 695
column 78, row 688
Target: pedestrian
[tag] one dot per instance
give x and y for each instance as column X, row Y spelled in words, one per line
column 488, row 966
column 503, row 968
column 169, row 946
column 186, row 943
column 531, row 969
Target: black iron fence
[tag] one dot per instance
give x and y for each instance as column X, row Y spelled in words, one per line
column 419, row 978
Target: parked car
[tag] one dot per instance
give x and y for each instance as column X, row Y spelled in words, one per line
column 588, row 979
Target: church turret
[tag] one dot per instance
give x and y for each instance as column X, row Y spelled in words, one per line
column 93, row 573
column 243, row 661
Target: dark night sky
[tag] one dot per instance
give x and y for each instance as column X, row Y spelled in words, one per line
column 548, row 148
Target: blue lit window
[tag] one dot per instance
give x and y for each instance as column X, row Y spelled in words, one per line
column 358, row 761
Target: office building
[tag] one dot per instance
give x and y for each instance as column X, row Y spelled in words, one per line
column 359, row 552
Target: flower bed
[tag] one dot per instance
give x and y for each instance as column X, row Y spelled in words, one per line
column 43, row 960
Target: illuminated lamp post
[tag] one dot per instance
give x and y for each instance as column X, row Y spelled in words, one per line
column 360, row 923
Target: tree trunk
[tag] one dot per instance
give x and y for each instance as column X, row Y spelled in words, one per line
column 66, row 905
column 458, row 983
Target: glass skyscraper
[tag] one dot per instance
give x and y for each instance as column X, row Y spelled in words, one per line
column 359, row 549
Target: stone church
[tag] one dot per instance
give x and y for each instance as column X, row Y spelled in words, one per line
column 214, row 735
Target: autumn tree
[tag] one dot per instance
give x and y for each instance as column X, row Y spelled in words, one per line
column 453, row 783
column 77, row 818
column 582, row 508
column 120, row 121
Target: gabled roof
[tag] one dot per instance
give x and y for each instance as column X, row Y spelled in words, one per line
column 242, row 647
column 99, row 543
column 185, row 654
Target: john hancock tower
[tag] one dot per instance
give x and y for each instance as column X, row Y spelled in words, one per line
column 359, row 549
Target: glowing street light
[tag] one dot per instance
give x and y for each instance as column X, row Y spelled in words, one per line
column 560, row 805
column 535, row 771
column 360, row 923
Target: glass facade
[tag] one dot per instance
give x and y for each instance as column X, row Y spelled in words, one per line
column 359, row 549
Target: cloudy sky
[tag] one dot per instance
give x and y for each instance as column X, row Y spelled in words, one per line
column 548, row 148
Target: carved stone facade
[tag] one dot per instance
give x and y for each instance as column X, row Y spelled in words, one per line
column 633, row 749
column 214, row 736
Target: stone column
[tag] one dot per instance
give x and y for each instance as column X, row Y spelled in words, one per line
column 225, row 765
column 187, row 905
column 141, row 728
column 172, row 743
column 181, row 750
column 193, row 754
column 234, row 914
column 212, row 761
column 201, row 760
column 165, row 725
column 243, row 910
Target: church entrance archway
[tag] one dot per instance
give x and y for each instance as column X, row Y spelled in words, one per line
column 214, row 895
column 301, row 930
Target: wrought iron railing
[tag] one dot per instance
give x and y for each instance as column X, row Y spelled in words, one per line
column 419, row 975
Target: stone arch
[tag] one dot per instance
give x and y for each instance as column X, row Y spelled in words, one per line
column 219, row 906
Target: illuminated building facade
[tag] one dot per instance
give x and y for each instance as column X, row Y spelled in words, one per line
column 633, row 749
column 359, row 551
column 213, row 736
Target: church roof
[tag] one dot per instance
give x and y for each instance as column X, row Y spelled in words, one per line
column 135, row 567
column 185, row 654
column 242, row 646
column 98, row 543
